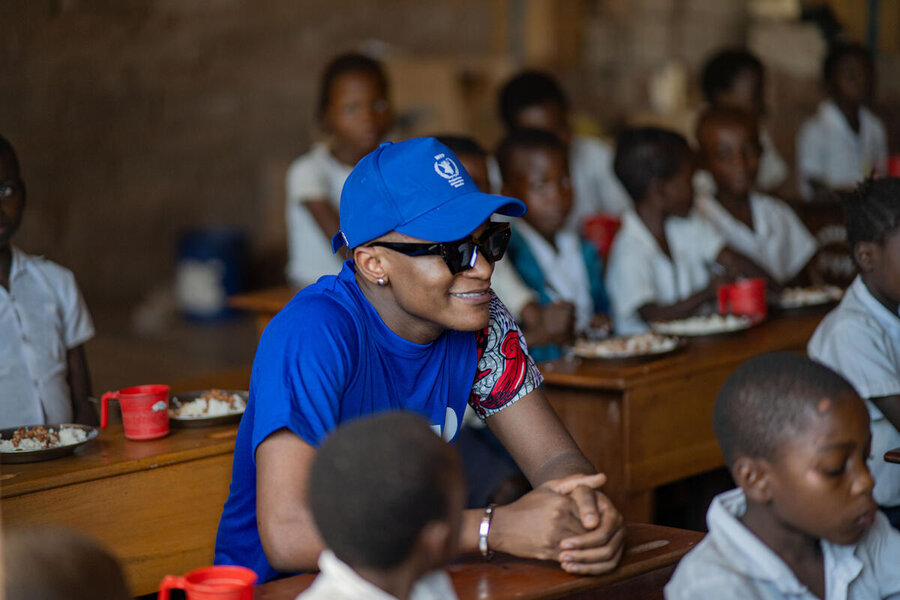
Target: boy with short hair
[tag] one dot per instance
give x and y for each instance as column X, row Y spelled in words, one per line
column 735, row 78
column 663, row 260
column 803, row 523
column 55, row 564
column 844, row 142
column 558, row 264
column 534, row 99
column 44, row 324
column 758, row 226
column 386, row 495
column 860, row 339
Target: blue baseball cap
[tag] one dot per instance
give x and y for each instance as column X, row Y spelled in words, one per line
column 417, row 188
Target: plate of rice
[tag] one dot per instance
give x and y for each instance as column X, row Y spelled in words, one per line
column 34, row 443
column 641, row 347
column 802, row 297
column 704, row 325
column 207, row 408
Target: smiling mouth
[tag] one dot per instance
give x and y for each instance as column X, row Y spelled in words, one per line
column 476, row 295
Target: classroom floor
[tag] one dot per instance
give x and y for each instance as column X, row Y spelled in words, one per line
column 178, row 352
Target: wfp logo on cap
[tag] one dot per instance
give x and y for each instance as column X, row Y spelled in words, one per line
column 446, row 168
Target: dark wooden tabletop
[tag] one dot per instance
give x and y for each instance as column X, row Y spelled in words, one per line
column 111, row 454
column 651, row 554
column 782, row 331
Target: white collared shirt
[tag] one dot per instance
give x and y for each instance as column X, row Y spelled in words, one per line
column 778, row 242
column 860, row 339
column 641, row 273
column 317, row 175
column 731, row 562
column 42, row 317
column 565, row 273
column 338, row 581
column 829, row 151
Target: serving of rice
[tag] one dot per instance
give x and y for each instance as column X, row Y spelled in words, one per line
column 42, row 438
column 214, row 403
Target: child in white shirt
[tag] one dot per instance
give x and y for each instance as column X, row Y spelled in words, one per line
column 534, row 99
column 663, row 258
column 559, row 265
column 860, row 339
column 44, row 324
column 802, row 525
column 355, row 112
column 386, row 495
column 735, row 78
column 844, row 142
column 758, row 226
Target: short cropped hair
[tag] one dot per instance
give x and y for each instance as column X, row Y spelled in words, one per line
column 648, row 154
column 720, row 115
column 6, row 147
column 767, row 400
column 347, row 63
column 723, row 68
column 526, row 139
column 374, row 485
column 840, row 51
column 461, row 144
column 872, row 210
column 529, row 88
column 54, row 564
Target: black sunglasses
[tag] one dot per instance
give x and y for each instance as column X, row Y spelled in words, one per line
column 461, row 254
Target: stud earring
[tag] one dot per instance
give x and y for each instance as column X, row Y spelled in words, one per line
column 381, row 282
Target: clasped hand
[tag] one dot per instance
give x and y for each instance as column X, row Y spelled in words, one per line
column 568, row 520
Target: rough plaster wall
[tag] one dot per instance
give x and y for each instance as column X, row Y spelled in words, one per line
column 137, row 120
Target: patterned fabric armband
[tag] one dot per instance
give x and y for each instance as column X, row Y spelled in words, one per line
column 505, row 370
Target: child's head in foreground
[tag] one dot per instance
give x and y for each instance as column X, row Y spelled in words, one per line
column 734, row 78
column 12, row 192
column 872, row 214
column 849, row 74
column 729, row 148
column 796, row 437
column 535, row 170
column 534, row 99
column 353, row 102
column 472, row 156
column 656, row 168
column 53, row 564
column 386, row 490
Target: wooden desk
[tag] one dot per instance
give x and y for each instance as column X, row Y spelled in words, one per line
column 650, row 424
column 650, row 557
column 892, row 456
column 156, row 504
column 264, row 303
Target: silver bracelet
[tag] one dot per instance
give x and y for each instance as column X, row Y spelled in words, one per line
column 483, row 529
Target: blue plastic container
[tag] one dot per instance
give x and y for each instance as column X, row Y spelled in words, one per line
column 210, row 267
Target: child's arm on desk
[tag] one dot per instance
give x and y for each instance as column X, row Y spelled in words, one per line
column 683, row 308
column 79, row 380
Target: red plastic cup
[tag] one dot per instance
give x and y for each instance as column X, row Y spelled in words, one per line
column 145, row 411
column 893, row 165
column 601, row 229
column 744, row 297
column 220, row 582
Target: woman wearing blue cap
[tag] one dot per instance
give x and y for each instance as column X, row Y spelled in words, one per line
column 410, row 323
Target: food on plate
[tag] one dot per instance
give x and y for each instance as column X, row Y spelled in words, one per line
column 795, row 297
column 42, row 438
column 705, row 325
column 213, row 403
column 624, row 347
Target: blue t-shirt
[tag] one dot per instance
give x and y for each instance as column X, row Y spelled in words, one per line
column 327, row 358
